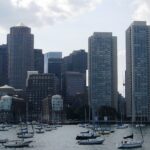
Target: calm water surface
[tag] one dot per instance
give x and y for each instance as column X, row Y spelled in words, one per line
column 64, row 139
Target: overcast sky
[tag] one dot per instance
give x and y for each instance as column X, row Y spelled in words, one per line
column 65, row 25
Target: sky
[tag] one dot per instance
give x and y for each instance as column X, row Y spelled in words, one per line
column 65, row 25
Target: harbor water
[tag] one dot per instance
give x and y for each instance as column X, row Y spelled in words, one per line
column 64, row 139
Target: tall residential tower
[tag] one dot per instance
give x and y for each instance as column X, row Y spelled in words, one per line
column 138, row 70
column 102, row 59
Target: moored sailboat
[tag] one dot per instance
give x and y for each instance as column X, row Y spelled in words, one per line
column 17, row 144
column 95, row 141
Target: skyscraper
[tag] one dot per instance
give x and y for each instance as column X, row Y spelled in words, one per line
column 50, row 55
column 20, row 43
column 76, row 61
column 73, row 84
column 3, row 65
column 38, row 60
column 138, row 70
column 55, row 67
column 102, row 59
column 74, row 69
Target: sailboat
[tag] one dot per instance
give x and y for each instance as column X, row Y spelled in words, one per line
column 3, row 127
column 24, row 130
column 17, row 144
column 140, row 124
column 2, row 141
column 122, row 125
column 129, row 141
column 90, row 138
column 40, row 130
column 26, row 135
column 86, row 135
column 95, row 141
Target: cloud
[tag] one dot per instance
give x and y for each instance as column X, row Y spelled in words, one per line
column 42, row 12
column 142, row 10
column 2, row 30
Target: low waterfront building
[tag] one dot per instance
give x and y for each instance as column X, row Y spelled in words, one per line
column 12, row 109
column 57, row 108
column 11, row 91
column 53, row 111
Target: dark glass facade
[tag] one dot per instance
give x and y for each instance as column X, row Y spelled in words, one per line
column 73, row 84
column 39, row 87
column 76, row 61
column 3, row 65
column 55, row 67
column 38, row 60
column 50, row 55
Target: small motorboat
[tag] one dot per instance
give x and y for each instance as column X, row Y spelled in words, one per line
column 53, row 127
column 105, row 132
column 58, row 125
column 17, row 144
column 139, row 125
column 85, row 132
column 38, row 127
column 95, row 141
column 130, row 143
column 40, row 131
column 26, row 135
column 83, row 125
column 86, row 136
column 48, row 129
column 2, row 141
column 3, row 128
column 122, row 126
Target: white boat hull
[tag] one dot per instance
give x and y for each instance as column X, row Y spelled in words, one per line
column 130, row 144
column 91, row 142
column 17, row 144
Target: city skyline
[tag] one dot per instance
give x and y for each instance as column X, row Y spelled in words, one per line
column 70, row 28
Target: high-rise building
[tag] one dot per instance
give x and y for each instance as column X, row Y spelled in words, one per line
column 39, row 86
column 76, row 61
column 50, row 55
column 3, row 65
column 102, row 67
column 55, row 67
column 38, row 60
column 138, row 70
column 20, row 43
column 73, row 83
